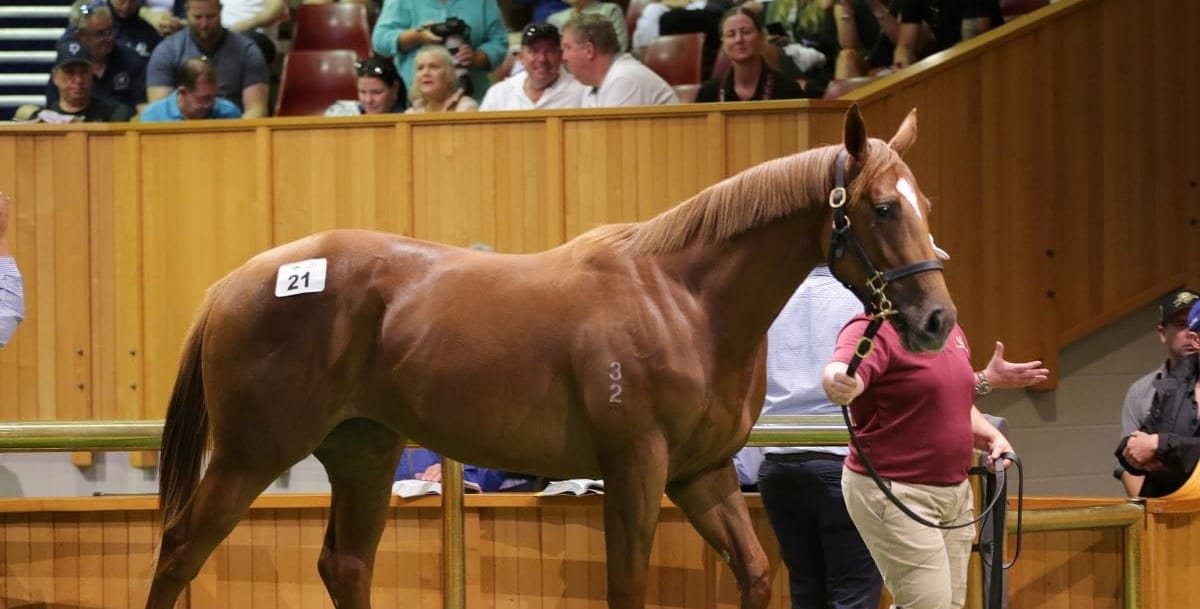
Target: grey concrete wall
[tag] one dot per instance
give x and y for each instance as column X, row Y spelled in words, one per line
column 1066, row 437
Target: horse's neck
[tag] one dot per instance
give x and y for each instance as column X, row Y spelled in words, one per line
column 745, row 281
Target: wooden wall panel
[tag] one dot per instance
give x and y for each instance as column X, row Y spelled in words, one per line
column 336, row 178
column 200, row 219
column 531, row 557
column 626, row 170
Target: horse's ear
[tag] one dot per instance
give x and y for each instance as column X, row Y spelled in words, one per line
column 906, row 134
column 855, row 135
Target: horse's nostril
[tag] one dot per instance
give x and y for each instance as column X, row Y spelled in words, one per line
column 935, row 321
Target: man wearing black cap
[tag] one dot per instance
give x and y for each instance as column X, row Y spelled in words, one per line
column 72, row 76
column 1173, row 333
column 543, row 83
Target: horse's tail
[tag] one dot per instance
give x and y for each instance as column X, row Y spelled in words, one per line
column 185, row 433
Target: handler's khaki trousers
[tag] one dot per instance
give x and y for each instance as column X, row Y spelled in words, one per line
column 924, row 568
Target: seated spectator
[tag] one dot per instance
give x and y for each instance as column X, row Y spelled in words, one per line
column 823, row 27
column 423, row 464
column 196, row 97
column 134, row 32
column 72, row 79
column 242, row 74
column 407, row 25
column 380, row 90
column 592, row 54
column 610, row 11
column 257, row 20
column 749, row 78
column 543, row 83
column 118, row 72
column 436, row 89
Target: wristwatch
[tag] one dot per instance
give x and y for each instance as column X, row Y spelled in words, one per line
column 982, row 386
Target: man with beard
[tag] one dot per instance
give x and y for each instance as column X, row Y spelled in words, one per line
column 542, row 84
column 242, row 73
column 72, row 79
column 118, row 73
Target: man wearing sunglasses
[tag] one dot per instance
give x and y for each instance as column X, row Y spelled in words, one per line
column 118, row 72
column 543, row 83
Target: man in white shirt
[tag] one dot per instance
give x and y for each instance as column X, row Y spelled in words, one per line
column 593, row 55
column 12, row 292
column 542, row 84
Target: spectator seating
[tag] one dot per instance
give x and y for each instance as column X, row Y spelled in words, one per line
column 312, row 80
column 677, row 58
column 341, row 25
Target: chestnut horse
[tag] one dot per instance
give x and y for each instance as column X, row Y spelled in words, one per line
column 633, row 353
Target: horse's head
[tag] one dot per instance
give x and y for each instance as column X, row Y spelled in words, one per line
column 880, row 244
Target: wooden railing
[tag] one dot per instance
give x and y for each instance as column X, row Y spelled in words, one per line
column 496, row 550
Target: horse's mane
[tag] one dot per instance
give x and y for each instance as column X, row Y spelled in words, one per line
column 758, row 195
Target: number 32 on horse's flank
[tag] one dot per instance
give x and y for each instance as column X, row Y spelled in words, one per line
column 304, row 277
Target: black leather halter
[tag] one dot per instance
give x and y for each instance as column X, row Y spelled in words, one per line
column 878, row 303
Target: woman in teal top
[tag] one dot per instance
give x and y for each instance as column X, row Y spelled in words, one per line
column 404, row 26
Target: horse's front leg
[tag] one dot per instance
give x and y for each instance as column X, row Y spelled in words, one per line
column 714, row 504
column 635, row 475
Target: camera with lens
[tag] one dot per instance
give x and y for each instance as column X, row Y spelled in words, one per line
column 454, row 33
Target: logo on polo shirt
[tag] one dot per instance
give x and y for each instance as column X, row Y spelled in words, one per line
column 121, row 81
column 960, row 343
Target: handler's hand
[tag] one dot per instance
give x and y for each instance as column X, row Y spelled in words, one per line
column 839, row 387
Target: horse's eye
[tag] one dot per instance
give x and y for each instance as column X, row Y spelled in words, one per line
column 885, row 210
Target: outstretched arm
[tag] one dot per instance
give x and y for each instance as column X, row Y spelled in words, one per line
column 1003, row 374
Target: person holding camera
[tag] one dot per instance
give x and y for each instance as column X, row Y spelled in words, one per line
column 473, row 31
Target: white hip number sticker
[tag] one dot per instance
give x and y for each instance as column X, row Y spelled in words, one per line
column 304, row 277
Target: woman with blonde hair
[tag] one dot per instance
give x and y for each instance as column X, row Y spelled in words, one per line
column 435, row 87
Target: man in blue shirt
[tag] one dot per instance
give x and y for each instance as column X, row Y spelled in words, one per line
column 12, row 293
column 195, row 98
column 242, row 74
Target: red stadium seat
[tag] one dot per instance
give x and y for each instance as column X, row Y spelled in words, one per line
column 677, row 58
column 342, row 25
column 312, row 80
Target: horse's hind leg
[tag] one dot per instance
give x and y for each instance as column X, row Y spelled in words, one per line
column 360, row 457
column 714, row 504
column 222, row 498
